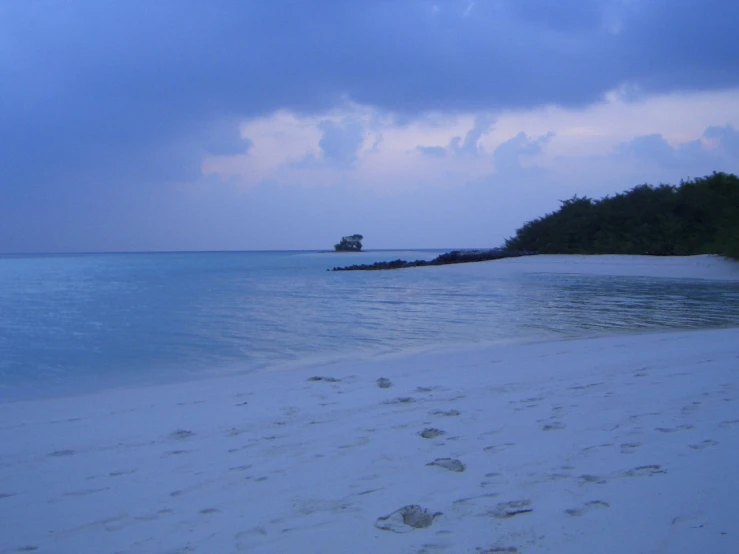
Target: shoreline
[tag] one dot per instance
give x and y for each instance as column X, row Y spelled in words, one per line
column 701, row 266
column 614, row 444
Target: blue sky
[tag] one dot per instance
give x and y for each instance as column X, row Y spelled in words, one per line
column 188, row 125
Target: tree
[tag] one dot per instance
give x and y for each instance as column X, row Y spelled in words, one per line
column 700, row 216
column 351, row 243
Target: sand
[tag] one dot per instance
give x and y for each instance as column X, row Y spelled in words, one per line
column 618, row 444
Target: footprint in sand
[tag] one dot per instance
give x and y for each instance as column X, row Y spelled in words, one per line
column 406, row 519
column 469, row 501
column 629, row 447
column 556, row 426
column 495, row 448
column 497, row 550
column 686, row 427
column 324, row 379
column 506, row 510
column 592, row 505
column 587, row 479
column 693, row 521
column 121, row 473
column 645, row 471
column 704, row 444
column 496, row 482
column 531, row 399
column 448, row 463
column 62, row 453
column 431, row 433
column 181, row 434
column 174, row 453
column 235, row 432
column 400, row 400
column 588, row 449
column 384, row 383
column 447, row 413
column 85, row 492
column 588, row 386
column 246, row 540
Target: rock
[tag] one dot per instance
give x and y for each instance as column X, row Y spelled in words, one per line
column 448, row 463
column 384, row 383
column 406, row 519
column 453, row 257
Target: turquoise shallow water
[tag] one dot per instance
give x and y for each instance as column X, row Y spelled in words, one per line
column 76, row 323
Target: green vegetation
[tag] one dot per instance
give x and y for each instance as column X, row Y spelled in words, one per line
column 700, row 216
column 352, row 243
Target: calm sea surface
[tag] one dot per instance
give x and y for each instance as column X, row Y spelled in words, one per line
column 77, row 323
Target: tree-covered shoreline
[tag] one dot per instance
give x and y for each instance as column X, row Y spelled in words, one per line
column 699, row 216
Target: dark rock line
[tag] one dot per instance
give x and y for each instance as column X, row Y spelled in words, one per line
column 453, row 257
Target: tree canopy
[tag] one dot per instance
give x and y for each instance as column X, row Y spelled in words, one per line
column 699, row 216
column 351, row 243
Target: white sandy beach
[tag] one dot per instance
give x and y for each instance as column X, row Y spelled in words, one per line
column 625, row 444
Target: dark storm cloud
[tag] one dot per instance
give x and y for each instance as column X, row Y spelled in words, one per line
column 109, row 98
column 118, row 72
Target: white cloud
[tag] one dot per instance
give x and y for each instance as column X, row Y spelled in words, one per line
column 388, row 154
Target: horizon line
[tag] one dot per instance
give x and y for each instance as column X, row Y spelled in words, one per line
column 317, row 250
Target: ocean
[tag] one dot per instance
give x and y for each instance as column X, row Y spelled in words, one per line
column 78, row 323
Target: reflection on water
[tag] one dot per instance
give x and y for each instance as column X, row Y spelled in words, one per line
column 80, row 322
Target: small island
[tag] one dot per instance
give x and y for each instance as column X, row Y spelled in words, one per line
column 351, row 243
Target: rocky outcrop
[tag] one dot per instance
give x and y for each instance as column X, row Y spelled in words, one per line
column 453, row 257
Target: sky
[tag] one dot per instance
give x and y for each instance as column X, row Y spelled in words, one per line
column 146, row 125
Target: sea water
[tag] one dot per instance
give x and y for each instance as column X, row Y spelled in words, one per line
column 72, row 324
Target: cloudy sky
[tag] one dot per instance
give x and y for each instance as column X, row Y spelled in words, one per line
column 199, row 125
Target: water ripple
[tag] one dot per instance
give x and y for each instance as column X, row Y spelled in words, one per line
column 71, row 323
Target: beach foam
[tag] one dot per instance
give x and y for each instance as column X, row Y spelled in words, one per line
column 612, row 445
